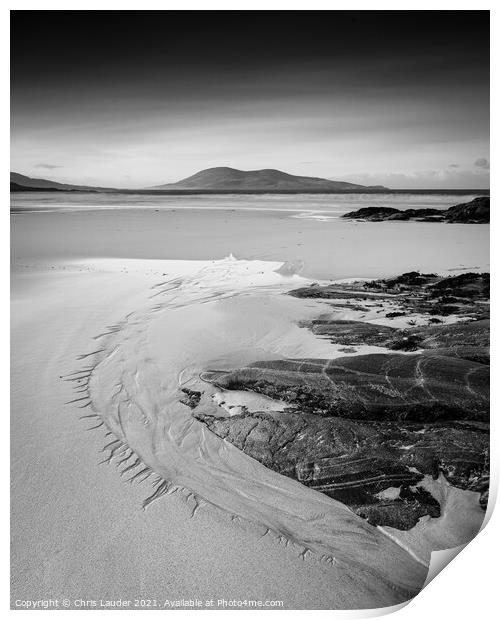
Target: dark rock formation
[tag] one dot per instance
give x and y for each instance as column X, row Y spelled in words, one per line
column 466, row 285
column 471, row 334
column 466, row 294
column 191, row 398
column 467, row 340
column 420, row 387
column 409, row 280
column 380, row 214
column 373, row 467
column 373, row 214
column 366, row 429
column 336, row 291
column 350, row 332
column 476, row 211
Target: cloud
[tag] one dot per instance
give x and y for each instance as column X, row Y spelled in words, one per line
column 47, row 166
column 483, row 163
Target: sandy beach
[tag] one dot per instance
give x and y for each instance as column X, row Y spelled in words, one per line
column 85, row 514
column 250, row 308
column 79, row 530
column 51, row 227
column 219, row 525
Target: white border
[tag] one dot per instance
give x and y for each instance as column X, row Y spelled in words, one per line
column 468, row 586
column 265, row 5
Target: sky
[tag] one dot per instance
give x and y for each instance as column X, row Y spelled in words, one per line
column 136, row 99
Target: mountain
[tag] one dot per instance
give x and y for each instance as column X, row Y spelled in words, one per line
column 211, row 180
column 22, row 183
column 225, row 179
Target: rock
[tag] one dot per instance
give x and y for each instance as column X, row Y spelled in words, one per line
column 426, row 212
column 402, row 513
column 334, row 291
column 350, row 332
column 372, row 213
column 419, row 387
column 382, row 214
column 405, row 342
column 465, row 295
column 475, row 212
column 358, row 462
column 455, row 335
column 466, row 285
column 191, row 398
column 366, row 429
column 400, row 216
column 406, row 281
column 467, row 340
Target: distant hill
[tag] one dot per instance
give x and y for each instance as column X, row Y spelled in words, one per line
column 22, row 183
column 225, row 179
column 15, row 187
column 228, row 181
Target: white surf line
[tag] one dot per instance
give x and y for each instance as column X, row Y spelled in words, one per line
column 140, row 408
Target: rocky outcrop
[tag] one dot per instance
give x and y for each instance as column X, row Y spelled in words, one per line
column 191, row 398
column 374, row 467
column 464, row 295
column 467, row 340
column 474, row 286
column 351, row 333
column 476, row 211
column 380, row 214
column 473, row 334
column 336, row 291
column 420, row 387
column 366, row 429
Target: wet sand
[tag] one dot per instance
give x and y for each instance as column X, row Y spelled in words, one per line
column 79, row 530
column 334, row 249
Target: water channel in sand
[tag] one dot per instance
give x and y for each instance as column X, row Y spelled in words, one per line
column 225, row 314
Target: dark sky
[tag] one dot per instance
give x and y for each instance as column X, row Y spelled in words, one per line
column 138, row 98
